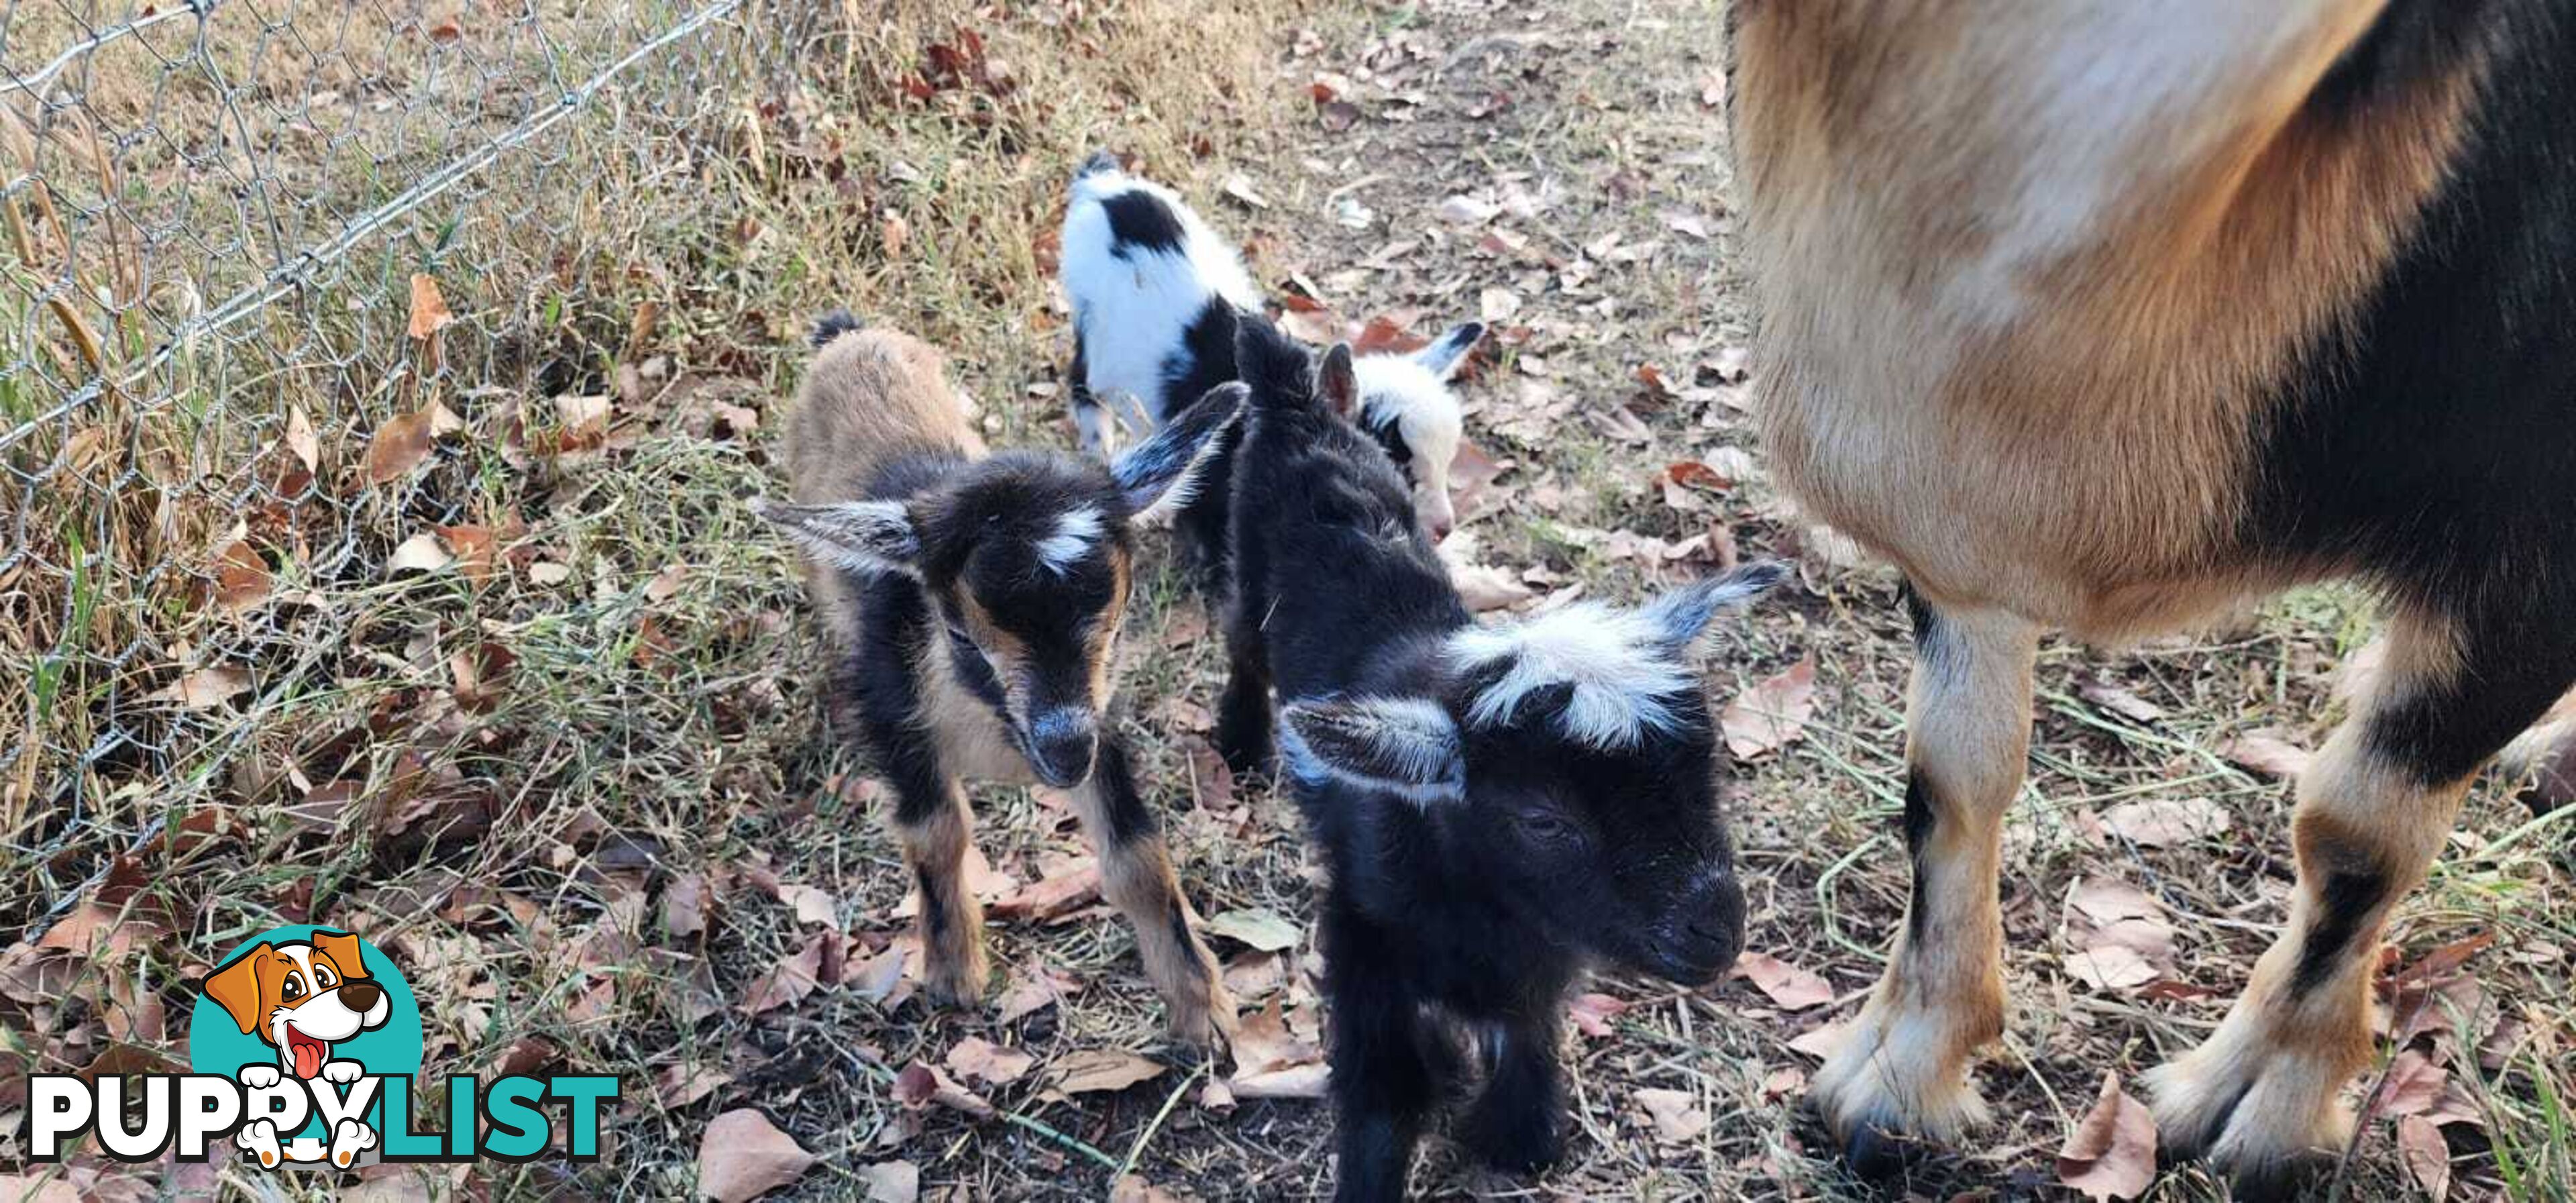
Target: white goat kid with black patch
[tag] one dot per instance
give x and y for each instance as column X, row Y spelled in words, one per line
column 1156, row 297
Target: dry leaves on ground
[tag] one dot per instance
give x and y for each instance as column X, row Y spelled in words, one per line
column 2111, row 1154
column 743, row 1156
column 1786, row 985
column 1773, row 713
column 2117, row 936
column 1096, row 1070
column 1676, row 1114
column 979, row 1060
column 891, row 1181
column 1262, row 929
column 922, row 1085
column 2165, row 822
column 1592, row 1013
column 1272, row 1062
column 2267, row 751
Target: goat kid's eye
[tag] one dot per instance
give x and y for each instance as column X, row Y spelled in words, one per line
column 1546, row 827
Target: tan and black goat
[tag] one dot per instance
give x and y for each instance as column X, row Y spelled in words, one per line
column 2106, row 316
column 973, row 603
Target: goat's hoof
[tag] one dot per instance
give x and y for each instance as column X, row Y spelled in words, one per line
column 1519, row 1143
column 1882, row 1157
column 2253, row 1113
column 958, row 983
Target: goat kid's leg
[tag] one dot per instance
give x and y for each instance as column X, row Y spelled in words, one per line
column 1514, row 1125
column 1136, row 875
column 932, row 823
column 1903, row 1072
column 1091, row 421
column 1385, row 1078
column 1243, row 723
column 2258, row 1097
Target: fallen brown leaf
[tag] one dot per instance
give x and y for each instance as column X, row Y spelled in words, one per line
column 744, row 1156
column 788, row 983
column 1773, row 713
column 2427, row 1155
column 921, row 1085
column 2268, row 752
column 979, row 1060
column 398, row 447
column 1096, row 1070
column 1258, row 927
column 1787, row 986
column 2165, row 822
column 1592, row 1013
column 891, row 1181
column 2121, row 702
column 429, row 312
column 2112, row 1151
column 1676, row 1114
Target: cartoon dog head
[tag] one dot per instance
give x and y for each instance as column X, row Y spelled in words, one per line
column 301, row 998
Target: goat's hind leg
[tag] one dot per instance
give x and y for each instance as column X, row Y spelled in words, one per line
column 1136, row 875
column 2259, row 1095
column 1902, row 1074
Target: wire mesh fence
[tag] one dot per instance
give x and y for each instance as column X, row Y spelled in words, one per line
column 213, row 351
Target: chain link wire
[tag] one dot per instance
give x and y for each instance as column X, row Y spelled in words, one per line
column 212, row 212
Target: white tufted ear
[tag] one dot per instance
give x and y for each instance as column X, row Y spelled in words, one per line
column 1404, row 746
column 861, row 536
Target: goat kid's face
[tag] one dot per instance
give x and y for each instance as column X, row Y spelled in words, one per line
column 1566, row 771
column 1405, row 402
column 1027, row 559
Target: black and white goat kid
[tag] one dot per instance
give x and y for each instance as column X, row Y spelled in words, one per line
column 1496, row 806
column 1156, row 295
column 973, row 602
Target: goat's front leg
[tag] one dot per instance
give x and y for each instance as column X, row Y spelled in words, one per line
column 2260, row 1095
column 1514, row 1125
column 1384, row 1078
column 1903, row 1073
column 932, row 823
column 1136, row 875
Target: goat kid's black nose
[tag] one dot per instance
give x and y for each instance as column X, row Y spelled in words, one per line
column 1716, row 918
column 360, row 995
column 1062, row 741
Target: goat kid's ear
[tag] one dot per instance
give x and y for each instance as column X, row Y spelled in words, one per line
column 1448, row 353
column 1168, row 470
column 1405, row 746
column 860, row 536
column 1682, row 619
column 1336, row 383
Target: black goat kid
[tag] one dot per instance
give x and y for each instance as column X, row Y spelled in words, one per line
column 973, row 602
column 1497, row 807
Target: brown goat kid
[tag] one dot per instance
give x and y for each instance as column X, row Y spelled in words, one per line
column 972, row 603
column 2105, row 317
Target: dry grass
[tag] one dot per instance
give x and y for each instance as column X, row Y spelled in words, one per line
column 652, row 723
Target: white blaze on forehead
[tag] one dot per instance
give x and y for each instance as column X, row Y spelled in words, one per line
column 1421, row 406
column 1621, row 674
column 1077, row 531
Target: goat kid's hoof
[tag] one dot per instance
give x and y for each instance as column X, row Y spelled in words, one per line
column 956, row 984
column 1520, row 1145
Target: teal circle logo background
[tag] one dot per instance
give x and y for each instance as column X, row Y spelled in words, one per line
column 217, row 1045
